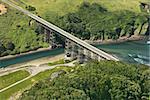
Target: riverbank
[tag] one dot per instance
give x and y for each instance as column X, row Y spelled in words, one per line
column 96, row 42
column 38, row 62
column 120, row 40
column 26, row 53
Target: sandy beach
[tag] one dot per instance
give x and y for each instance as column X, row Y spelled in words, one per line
column 44, row 60
column 38, row 62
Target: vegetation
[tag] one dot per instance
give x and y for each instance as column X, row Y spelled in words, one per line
column 105, row 80
column 87, row 20
column 93, row 21
column 30, row 8
column 17, row 35
column 90, row 20
column 28, row 83
column 11, row 78
column 61, row 61
column 63, row 7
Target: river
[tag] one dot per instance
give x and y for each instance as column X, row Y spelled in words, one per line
column 131, row 51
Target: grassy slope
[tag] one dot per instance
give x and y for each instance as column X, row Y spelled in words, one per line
column 18, row 32
column 51, row 9
column 64, row 6
column 12, row 78
column 61, row 61
column 22, row 86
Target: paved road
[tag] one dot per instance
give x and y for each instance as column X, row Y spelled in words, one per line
column 35, row 70
column 64, row 33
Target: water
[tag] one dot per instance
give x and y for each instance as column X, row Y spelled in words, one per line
column 132, row 52
column 28, row 57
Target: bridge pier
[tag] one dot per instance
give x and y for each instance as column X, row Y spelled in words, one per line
column 74, row 52
column 96, row 57
column 87, row 54
column 70, row 50
column 50, row 38
column 81, row 56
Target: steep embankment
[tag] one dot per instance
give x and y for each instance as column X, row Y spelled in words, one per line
column 16, row 35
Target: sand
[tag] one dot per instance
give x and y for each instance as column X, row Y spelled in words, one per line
column 32, row 63
column 3, row 9
column 40, row 61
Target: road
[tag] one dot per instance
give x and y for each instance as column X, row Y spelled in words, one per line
column 34, row 71
column 64, row 33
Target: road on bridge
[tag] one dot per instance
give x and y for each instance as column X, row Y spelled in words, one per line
column 64, row 33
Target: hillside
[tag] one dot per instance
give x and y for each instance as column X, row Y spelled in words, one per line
column 92, row 20
column 105, row 80
column 16, row 36
column 63, row 7
column 121, row 17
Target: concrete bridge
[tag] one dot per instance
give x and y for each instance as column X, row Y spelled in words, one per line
column 74, row 47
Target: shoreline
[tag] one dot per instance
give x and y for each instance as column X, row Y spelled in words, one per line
column 120, row 40
column 26, row 53
column 96, row 42
column 36, row 62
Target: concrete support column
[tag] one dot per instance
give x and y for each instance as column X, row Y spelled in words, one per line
column 95, row 56
column 81, row 55
column 68, row 50
column 74, row 51
column 50, row 37
column 47, row 35
column 99, row 58
column 87, row 54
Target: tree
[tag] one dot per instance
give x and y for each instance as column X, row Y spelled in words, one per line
column 30, row 8
column 96, row 81
column 10, row 46
column 2, row 49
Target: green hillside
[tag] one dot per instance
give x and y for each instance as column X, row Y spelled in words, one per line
column 122, row 17
column 105, row 80
column 62, row 7
column 16, row 36
column 93, row 19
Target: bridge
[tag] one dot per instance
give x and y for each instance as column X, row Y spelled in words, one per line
column 74, row 47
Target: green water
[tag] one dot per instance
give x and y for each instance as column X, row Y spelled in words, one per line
column 132, row 52
column 28, row 57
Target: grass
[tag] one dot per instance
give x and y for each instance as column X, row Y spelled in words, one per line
column 24, row 37
column 11, row 78
column 28, row 83
column 61, row 61
column 18, row 32
column 62, row 7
